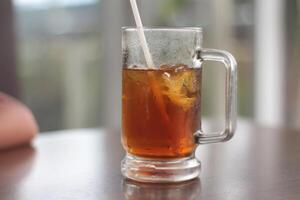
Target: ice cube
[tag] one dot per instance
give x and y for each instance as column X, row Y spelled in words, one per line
column 179, row 84
column 135, row 75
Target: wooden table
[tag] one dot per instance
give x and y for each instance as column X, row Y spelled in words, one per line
column 259, row 163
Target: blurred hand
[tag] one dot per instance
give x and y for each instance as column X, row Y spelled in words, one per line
column 17, row 124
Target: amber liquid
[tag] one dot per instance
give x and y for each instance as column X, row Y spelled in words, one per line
column 160, row 110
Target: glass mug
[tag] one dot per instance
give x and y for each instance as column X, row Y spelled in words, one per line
column 161, row 104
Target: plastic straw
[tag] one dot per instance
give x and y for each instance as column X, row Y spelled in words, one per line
column 141, row 34
column 149, row 62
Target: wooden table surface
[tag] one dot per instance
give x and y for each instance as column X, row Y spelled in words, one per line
column 258, row 163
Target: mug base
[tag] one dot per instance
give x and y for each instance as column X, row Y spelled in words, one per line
column 160, row 170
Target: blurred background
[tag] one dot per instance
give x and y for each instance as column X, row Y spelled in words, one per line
column 62, row 58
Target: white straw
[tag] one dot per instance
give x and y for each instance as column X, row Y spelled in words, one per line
column 141, row 34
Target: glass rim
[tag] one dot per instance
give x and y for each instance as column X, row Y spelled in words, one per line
column 149, row 28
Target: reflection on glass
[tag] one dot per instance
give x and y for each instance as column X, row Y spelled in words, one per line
column 189, row 190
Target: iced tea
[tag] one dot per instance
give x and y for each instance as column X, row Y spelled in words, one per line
column 160, row 110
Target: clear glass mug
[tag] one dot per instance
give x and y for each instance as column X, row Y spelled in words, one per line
column 161, row 105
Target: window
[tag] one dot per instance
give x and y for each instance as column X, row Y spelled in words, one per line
column 60, row 55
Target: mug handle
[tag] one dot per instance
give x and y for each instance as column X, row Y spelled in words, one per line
column 230, row 95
